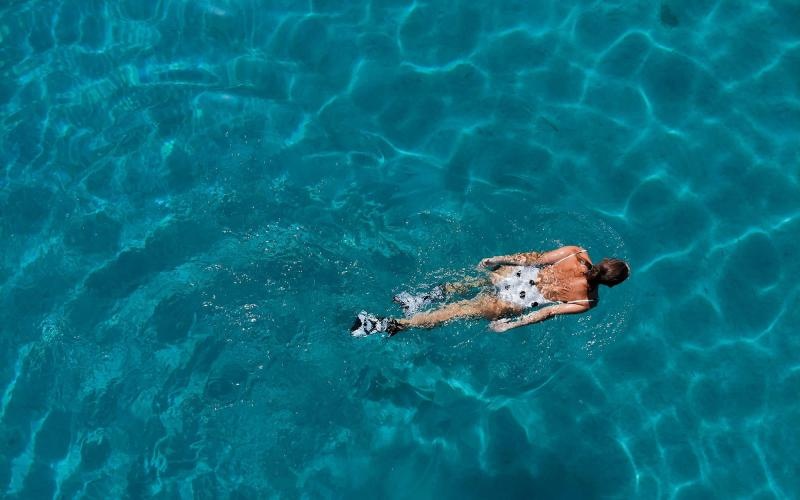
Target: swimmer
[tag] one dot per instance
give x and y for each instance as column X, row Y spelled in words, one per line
column 517, row 290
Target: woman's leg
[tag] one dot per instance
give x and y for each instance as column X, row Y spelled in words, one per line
column 484, row 306
column 466, row 284
column 413, row 303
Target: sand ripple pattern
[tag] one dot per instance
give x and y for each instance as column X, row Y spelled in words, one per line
column 196, row 196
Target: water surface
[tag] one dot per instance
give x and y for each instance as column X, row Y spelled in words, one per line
column 197, row 196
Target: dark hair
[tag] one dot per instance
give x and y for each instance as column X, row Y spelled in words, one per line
column 608, row 272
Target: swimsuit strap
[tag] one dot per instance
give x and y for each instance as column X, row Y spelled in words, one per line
column 579, row 300
column 567, row 257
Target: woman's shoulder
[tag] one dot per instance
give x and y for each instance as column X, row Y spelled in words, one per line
column 572, row 249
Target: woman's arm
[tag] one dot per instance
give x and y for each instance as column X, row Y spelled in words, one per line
column 530, row 258
column 501, row 325
column 554, row 256
column 517, row 259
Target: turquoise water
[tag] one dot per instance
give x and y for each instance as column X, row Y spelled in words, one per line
column 198, row 195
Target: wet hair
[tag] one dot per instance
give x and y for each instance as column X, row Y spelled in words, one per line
column 609, row 272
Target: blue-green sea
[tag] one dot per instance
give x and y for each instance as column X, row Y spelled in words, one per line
column 197, row 197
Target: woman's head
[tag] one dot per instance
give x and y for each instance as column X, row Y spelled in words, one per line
column 609, row 272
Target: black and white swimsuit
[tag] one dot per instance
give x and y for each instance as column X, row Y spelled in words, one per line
column 520, row 288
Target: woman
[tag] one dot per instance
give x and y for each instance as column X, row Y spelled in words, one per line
column 521, row 289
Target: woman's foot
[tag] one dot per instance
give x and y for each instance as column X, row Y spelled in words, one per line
column 367, row 324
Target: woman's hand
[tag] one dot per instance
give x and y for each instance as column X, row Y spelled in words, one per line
column 489, row 263
column 502, row 325
column 517, row 259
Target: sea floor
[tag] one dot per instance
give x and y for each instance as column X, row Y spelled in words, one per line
column 196, row 198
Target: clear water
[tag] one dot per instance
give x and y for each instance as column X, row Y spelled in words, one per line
column 197, row 196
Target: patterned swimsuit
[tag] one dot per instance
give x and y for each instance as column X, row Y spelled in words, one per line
column 520, row 287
